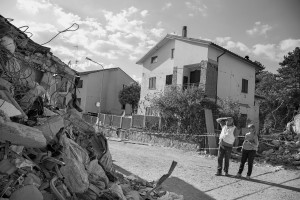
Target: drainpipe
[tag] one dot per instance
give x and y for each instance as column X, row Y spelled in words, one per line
column 217, row 78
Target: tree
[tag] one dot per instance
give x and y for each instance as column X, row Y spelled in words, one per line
column 183, row 109
column 281, row 92
column 258, row 71
column 130, row 95
column 289, row 75
column 231, row 108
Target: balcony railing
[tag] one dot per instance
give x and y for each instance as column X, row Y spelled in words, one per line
column 192, row 85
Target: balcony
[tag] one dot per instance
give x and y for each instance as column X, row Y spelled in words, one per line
column 192, row 85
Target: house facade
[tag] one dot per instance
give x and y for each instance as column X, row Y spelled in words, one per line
column 103, row 86
column 178, row 60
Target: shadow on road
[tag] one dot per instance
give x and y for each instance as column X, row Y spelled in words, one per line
column 278, row 184
column 174, row 184
column 271, row 185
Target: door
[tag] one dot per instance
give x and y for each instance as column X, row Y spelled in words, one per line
column 195, row 77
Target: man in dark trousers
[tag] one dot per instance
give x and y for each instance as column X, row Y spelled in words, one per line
column 227, row 138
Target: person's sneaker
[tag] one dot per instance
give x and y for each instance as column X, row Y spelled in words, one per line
column 248, row 177
column 218, row 174
column 226, row 174
column 238, row 175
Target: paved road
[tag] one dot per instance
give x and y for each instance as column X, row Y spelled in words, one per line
column 194, row 175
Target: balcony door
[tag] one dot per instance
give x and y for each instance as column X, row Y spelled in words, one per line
column 195, row 77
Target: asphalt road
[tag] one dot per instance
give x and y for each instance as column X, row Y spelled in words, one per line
column 194, row 175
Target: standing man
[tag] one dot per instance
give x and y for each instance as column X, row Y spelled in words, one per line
column 227, row 138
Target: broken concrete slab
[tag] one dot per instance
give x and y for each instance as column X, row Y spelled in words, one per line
column 9, row 109
column 20, row 134
column 48, row 112
column 5, row 85
column 6, row 167
column 76, row 177
column 27, row 192
column 6, row 96
column 51, row 127
column 78, row 122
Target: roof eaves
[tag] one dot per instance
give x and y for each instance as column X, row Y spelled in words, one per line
column 238, row 56
column 94, row 71
column 153, row 49
column 125, row 73
column 165, row 39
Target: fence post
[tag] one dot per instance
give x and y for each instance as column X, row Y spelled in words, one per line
column 121, row 120
column 131, row 121
column 104, row 118
column 159, row 123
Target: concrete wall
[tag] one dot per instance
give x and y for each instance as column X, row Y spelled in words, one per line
column 231, row 71
column 90, row 93
column 163, row 67
column 187, row 53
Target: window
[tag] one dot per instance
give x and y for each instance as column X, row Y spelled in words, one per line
column 172, row 53
column 79, row 101
column 244, row 86
column 154, row 59
column 152, row 83
column 169, row 79
column 123, row 106
column 80, row 84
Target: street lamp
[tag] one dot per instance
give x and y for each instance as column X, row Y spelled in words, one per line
column 98, row 104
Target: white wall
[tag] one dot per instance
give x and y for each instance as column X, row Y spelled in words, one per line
column 188, row 53
column 163, row 67
column 231, row 71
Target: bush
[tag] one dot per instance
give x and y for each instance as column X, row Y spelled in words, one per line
column 183, row 110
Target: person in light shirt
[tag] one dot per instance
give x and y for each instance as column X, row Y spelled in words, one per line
column 249, row 149
column 227, row 138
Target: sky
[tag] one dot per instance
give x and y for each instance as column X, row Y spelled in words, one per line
column 117, row 33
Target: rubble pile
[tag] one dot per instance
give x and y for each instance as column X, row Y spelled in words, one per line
column 284, row 147
column 47, row 152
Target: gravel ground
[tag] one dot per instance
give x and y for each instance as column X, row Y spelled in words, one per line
column 194, row 175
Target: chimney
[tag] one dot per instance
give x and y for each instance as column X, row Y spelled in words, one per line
column 184, row 31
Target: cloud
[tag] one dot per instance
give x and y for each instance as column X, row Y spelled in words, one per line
column 157, row 32
column 197, row 7
column 272, row 52
column 276, row 52
column 144, row 13
column 32, row 6
column 167, row 6
column 259, row 29
column 137, row 79
column 120, row 35
column 267, row 50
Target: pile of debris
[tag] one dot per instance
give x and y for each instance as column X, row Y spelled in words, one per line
column 64, row 158
column 47, row 152
column 284, row 147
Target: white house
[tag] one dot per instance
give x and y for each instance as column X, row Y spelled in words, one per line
column 183, row 61
column 103, row 86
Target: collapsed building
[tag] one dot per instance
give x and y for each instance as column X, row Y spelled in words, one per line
column 47, row 151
